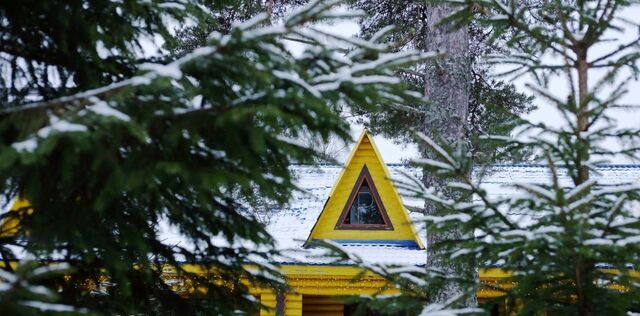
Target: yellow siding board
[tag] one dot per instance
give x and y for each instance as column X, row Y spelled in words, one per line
column 345, row 291
column 268, row 300
column 293, row 305
column 11, row 225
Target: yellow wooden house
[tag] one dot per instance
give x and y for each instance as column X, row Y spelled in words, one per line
column 358, row 207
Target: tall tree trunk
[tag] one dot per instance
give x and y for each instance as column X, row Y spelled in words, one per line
column 270, row 8
column 447, row 85
column 585, row 306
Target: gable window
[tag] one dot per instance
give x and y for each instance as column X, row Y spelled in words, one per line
column 364, row 209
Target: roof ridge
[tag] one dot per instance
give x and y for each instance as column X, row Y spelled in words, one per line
column 498, row 165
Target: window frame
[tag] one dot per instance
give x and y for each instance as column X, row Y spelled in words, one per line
column 364, row 176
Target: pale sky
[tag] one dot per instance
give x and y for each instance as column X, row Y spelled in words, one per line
column 545, row 113
column 560, row 87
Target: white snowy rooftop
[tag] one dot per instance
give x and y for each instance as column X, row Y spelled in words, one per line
column 291, row 225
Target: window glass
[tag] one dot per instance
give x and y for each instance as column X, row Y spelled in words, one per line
column 364, row 209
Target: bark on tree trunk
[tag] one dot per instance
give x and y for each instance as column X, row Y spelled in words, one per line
column 270, row 8
column 584, row 305
column 447, row 85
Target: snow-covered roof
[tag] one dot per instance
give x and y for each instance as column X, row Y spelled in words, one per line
column 291, row 225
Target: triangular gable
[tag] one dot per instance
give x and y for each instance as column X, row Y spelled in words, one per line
column 365, row 166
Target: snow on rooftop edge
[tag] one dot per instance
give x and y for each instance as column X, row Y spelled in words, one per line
column 291, row 225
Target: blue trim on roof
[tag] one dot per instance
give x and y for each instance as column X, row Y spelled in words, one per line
column 499, row 165
column 539, row 165
column 379, row 242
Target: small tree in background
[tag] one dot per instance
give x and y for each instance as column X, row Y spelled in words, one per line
column 130, row 180
column 570, row 248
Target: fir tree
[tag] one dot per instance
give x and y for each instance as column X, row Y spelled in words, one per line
column 494, row 105
column 221, row 16
column 570, row 248
column 27, row 291
column 52, row 49
column 138, row 184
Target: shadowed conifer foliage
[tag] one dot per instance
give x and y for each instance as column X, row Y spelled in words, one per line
column 570, row 243
column 494, row 104
column 137, row 169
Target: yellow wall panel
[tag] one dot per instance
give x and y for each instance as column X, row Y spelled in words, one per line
column 269, row 300
column 319, row 288
column 293, row 305
column 11, row 225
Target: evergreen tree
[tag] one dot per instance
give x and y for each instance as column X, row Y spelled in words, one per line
column 221, row 16
column 494, row 105
column 26, row 291
column 463, row 103
column 570, row 248
column 55, row 48
column 138, row 184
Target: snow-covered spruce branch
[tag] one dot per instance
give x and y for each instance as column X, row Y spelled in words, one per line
column 152, row 71
column 354, row 69
column 250, row 32
column 19, row 292
column 448, row 168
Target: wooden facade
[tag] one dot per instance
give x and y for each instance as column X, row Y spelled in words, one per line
column 322, row 289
